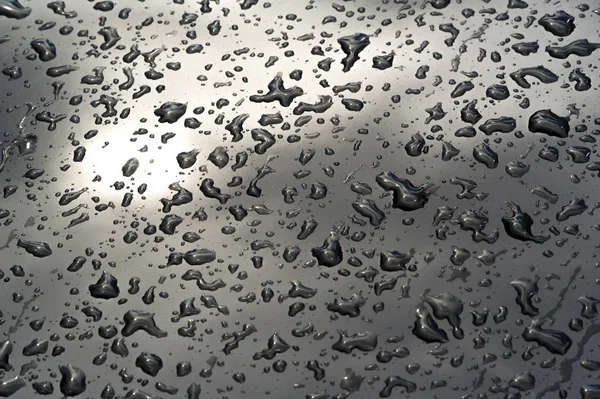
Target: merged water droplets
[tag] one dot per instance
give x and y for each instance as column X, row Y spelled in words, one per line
column 14, row 9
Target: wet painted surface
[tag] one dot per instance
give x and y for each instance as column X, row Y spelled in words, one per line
column 299, row 199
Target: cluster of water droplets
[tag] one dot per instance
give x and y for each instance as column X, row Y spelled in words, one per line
column 299, row 199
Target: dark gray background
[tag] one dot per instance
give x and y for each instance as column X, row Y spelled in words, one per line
column 40, row 218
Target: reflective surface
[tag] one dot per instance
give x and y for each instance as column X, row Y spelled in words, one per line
column 299, row 199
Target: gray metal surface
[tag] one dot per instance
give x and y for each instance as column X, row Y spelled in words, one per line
column 349, row 147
